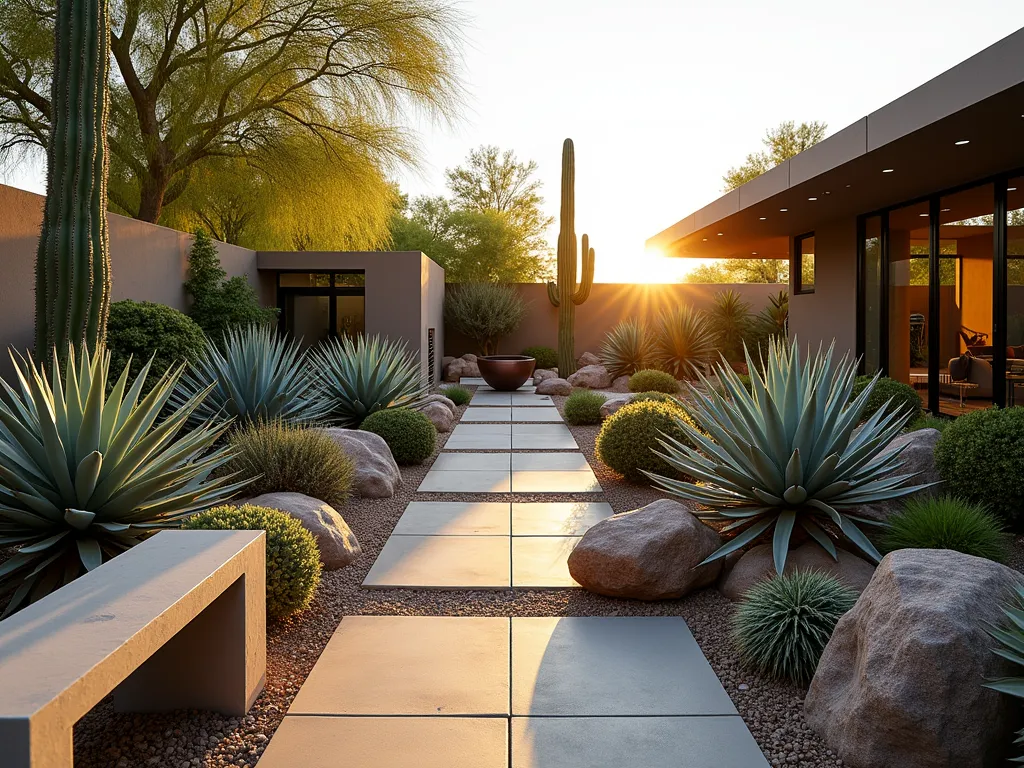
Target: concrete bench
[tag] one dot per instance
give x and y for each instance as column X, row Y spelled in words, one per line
column 177, row 622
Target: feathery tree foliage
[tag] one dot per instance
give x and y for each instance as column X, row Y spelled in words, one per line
column 782, row 143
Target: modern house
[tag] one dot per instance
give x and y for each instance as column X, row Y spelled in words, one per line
column 905, row 234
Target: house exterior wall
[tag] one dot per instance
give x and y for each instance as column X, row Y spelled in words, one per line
column 432, row 315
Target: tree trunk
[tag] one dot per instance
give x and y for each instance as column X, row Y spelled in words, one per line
column 151, row 199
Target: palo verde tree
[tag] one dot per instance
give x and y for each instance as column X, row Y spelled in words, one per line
column 202, row 79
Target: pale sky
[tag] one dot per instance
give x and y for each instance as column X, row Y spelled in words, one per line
column 661, row 98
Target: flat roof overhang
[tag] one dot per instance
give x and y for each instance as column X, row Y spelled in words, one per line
column 980, row 100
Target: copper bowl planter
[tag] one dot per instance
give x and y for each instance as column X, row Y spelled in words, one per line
column 506, row 373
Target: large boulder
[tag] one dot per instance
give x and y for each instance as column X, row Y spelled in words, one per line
column 440, row 416
column 435, row 398
column 918, row 457
column 588, row 358
column 554, row 387
column 619, row 384
column 460, row 367
column 377, row 475
column 338, row 545
column 612, row 404
column 591, row 377
column 651, row 553
column 899, row 683
column 543, row 374
column 758, row 564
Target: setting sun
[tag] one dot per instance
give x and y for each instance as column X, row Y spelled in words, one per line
column 652, row 267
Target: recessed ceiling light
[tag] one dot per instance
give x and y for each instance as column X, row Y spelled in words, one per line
column 721, row 233
column 704, row 240
column 753, row 253
column 827, row 192
column 962, row 142
column 923, row 215
column 812, row 198
column 783, row 210
column 888, row 170
column 1011, row 189
column 847, row 186
column 946, row 210
column 764, row 218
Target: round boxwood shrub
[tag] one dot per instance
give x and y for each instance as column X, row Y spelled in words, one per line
column 657, row 397
column 584, row 407
column 290, row 458
column 409, row 434
column 546, row 357
column 903, row 395
column 650, row 380
column 293, row 559
column 980, row 458
column 629, row 437
column 946, row 522
column 141, row 330
column 782, row 626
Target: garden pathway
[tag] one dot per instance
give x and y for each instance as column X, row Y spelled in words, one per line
column 476, row 692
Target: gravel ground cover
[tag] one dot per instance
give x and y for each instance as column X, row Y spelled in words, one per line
column 772, row 711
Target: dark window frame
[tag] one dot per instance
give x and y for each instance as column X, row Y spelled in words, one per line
column 331, row 291
column 797, row 270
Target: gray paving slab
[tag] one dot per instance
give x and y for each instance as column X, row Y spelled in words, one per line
column 411, row 665
column 443, row 562
column 528, row 399
column 543, row 462
column 467, row 481
column 471, row 461
column 480, row 437
column 486, row 413
column 477, row 381
column 395, row 742
column 540, row 562
column 535, row 414
column 611, row 666
column 454, row 518
column 524, row 388
column 555, row 481
column 558, row 518
column 651, row 742
column 492, row 398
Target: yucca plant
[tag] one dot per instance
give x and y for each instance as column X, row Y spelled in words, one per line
column 684, row 343
column 729, row 317
column 365, row 375
column 1010, row 637
column 85, row 475
column 626, row 349
column 258, row 376
column 785, row 453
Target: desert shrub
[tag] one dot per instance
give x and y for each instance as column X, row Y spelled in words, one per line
column 650, row 380
column 980, row 458
column 729, row 319
column 546, row 357
column 142, row 330
column 772, row 322
column 290, row 458
column 293, row 559
column 657, row 397
column 927, row 421
column 946, row 522
column 626, row 349
column 629, row 438
column 409, row 434
column 584, row 407
column 220, row 304
column 683, row 343
column 458, row 395
column 782, row 626
column 903, row 395
column 485, row 312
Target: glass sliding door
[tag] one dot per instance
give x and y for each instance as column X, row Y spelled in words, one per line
column 1015, row 291
column 908, row 241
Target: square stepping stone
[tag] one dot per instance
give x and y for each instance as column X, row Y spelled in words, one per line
column 480, row 437
column 477, row 381
column 454, row 518
column 540, row 561
column 536, row 413
column 557, row 518
column 529, row 399
column 397, row 742
column 443, row 562
column 410, row 665
column 488, row 413
column 553, row 437
column 554, row 481
column 471, row 461
column 544, row 462
column 651, row 742
column 611, row 666
column 466, row 481
column 492, row 398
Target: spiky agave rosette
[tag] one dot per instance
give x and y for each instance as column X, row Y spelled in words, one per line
column 785, row 453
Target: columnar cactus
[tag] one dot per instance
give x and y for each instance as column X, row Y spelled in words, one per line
column 73, row 260
column 565, row 294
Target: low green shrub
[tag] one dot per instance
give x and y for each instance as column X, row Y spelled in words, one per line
column 546, row 357
column 927, row 421
column 409, row 434
column 782, row 626
column 290, row 458
column 293, row 559
column 650, row 380
column 656, row 397
column 142, row 330
column 458, row 395
column 980, row 458
column 584, row 407
column 902, row 395
column 629, row 438
column 946, row 522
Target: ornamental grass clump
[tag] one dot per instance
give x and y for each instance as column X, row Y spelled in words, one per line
column 786, row 455
column 729, row 318
column 626, row 349
column 361, row 376
column 410, row 435
column 947, row 522
column 86, row 474
column 684, row 343
column 628, row 440
column 783, row 624
column 293, row 558
column 458, row 395
column 584, row 407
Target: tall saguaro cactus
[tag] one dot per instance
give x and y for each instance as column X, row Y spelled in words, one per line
column 564, row 293
column 73, row 260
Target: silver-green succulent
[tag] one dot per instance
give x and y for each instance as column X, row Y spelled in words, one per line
column 86, row 474
column 786, row 453
column 1010, row 636
column 256, row 376
column 364, row 375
